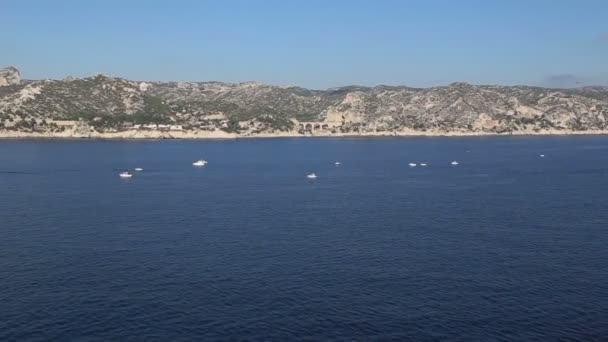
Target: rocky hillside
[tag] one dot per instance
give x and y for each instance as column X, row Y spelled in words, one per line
column 9, row 76
column 113, row 104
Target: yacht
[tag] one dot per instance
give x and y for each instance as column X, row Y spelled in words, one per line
column 455, row 163
column 412, row 164
column 311, row 176
column 200, row 163
column 125, row 174
column 422, row 164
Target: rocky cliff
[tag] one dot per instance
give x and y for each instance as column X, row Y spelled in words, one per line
column 114, row 104
column 9, row 76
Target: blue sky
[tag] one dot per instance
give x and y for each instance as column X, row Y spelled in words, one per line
column 311, row 43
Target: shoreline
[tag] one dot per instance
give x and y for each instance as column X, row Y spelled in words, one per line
column 200, row 135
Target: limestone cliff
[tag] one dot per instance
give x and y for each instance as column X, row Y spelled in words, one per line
column 9, row 76
column 114, row 104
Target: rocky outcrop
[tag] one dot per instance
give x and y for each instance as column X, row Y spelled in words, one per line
column 9, row 76
column 114, row 104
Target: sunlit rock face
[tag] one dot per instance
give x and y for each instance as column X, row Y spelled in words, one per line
column 9, row 76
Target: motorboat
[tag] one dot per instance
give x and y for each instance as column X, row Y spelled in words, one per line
column 455, row 163
column 311, row 176
column 200, row 163
column 412, row 164
column 125, row 174
column 138, row 169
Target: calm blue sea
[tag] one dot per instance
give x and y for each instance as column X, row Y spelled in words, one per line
column 507, row 246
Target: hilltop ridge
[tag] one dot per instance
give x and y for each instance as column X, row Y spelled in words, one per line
column 102, row 104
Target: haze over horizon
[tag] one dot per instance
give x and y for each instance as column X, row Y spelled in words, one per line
column 312, row 44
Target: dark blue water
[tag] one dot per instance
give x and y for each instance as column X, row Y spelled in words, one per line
column 507, row 246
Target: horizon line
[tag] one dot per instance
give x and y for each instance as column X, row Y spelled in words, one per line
column 105, row 74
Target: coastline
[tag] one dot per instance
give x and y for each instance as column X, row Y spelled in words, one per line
column 137, row 135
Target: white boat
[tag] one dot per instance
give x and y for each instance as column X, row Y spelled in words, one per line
column 138, row 169
column 542, row 156
column 412, row 164
column 200, row 163
column 125, row 174
column 454, row 163
column 311, row 176
column 422, row 164
column 337, row 163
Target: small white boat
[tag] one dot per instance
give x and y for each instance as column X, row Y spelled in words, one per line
column 337, row 163
column 125, row 174
column 138, row 169
column 454, row 163
column 412, row 164
column 422, row 164
column 542, row 156
column 311, row 176
column 200, row 163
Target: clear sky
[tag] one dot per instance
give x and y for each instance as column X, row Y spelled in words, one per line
column 311, row 43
